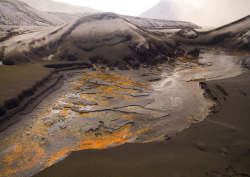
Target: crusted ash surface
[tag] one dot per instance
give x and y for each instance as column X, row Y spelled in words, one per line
column 218, row 146
column 28, row 99
column 104, row 108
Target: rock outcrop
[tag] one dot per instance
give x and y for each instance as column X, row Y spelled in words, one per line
column 188, row 32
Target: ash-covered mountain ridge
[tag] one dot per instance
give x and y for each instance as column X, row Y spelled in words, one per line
column 13, row 12
column 59, row 7
column 148, row 23
column 24, row 13
column 104, row 38
column 208, row 15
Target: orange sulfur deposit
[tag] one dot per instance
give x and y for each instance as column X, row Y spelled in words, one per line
column 100, row 142
column 39, row 145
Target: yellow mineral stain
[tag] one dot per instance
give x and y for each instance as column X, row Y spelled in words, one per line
column 239, row 52
column 70, row 104
column 129, row 116
column 118, row 137
column 182, row 58
column 90, row 97
column 63, row 112
column 115, row 78
column 76, row 84
column 21, row 158
column 23, row 150
column 213, row 51
column 86, row 114
column 154, row 140
column 62, row 152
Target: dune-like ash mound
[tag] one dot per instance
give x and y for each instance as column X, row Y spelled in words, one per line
column 235, row 35
column 103, row 38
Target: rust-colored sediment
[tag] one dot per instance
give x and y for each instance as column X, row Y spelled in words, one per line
column 239, row 52
column 105, row 140
column 28, row 147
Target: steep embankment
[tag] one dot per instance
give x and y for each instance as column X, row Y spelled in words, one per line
column 13, row 12
column 235, row 35
column 103, row 38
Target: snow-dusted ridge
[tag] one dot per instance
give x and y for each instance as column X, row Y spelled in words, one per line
column 13, row 12
column 23, row 13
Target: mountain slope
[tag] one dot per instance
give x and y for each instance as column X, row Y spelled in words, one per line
column 148, row 23
column 170, row 10
column 66, row 16
column 235, row 35
column 53, row 6
column 103, row 38
column 211, row 13
column 13, row 12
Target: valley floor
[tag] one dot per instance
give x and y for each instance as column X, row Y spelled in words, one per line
column 216, row 147
column 101, row 109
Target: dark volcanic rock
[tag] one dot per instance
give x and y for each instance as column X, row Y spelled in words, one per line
column 194, row 54
column 245, row 40
column 132, row 62
column 123, row 66
column 158, row 60
column 188, row 32
column 180, row 52
column 246, row 37
column 246, row 63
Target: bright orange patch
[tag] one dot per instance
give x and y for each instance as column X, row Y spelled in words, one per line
column 27, row 147
column 118, row 137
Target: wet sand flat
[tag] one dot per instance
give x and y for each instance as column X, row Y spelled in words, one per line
column 218, row 146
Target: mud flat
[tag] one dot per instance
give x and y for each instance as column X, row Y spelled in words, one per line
column 106, row 108
column 217, row 146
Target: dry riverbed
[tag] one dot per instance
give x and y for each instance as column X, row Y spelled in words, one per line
column 103, row 108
